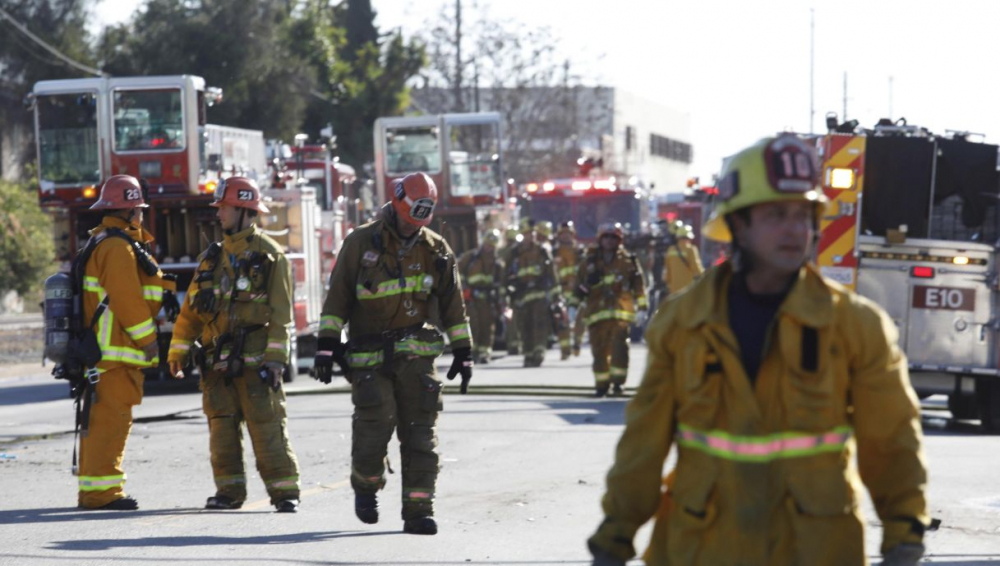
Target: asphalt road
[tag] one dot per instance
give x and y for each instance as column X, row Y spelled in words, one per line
column 523, row 461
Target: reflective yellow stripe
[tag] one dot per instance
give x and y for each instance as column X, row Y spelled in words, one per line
column 480, row 278
column 459, row 332
column 141, row 330
column 765, row 448
column 101, row 483
column 412, row 284
column 532, row 296
column 331, row 322
column 530, row 270
column 611, row 314
column 152, row 292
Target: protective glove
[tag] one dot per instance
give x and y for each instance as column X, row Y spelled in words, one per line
column 462, row 364
column 904, row 554
column 582, row 291
column 329, row 350
column 271, row 374
column 151, row 351
column 171, row 308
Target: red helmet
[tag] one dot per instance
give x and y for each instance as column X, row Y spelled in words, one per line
column 120, row 192
column 239, row 192
column 414, row 198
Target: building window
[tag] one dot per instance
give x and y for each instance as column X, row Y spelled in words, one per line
column 670, row 149
column 629, row 138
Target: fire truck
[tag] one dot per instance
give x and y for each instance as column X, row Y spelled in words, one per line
column 589, row 202
column 155, row 128
column 341, row 202
column 913, row 224
column 461, row 152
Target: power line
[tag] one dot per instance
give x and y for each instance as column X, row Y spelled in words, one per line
column 65, row 59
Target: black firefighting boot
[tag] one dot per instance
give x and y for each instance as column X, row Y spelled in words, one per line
column 366, row 507
column 602, row 390
column 513, row 350
column 222, row 502
column 287, row 506
column 120, row 504
column 617, row 390
column 420, row 526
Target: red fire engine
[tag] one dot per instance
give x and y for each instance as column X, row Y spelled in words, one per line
column 155, row 128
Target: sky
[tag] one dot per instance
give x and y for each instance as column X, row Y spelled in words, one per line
column 741, row 68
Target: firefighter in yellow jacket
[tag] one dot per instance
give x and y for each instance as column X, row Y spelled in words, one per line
column 567, row 256
column 613, row 285
column 239, row 307
column 768, row 378
column 533, row 286
column 682, row 263
column 482, row 274
column 392, row 278
column 124, row 287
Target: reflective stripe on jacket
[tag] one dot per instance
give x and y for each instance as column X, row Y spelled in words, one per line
column 617, row 288
column 134, row 298
column 259, row 296
column 378, row 285
column 765, row 473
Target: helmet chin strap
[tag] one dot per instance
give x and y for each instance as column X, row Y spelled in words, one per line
column 239, row 223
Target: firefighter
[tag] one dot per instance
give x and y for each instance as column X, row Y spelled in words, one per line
column 768, row 377
column 682, row 263
column 611, row 280
column 239, row 308
column 394, row 276
column 545, row 233
column 534, row 287
column 482, row 273
column 123, row 289
column 512, row 336
column 567, row 257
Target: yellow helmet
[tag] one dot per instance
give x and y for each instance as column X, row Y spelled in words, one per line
column 774, row 169
column 567, row 227
column 681, row 230
column 545, row 229
column 492, row 237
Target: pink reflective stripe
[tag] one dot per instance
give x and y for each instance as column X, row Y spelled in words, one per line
column 763, row 448
column 276, row 345
column 180, row 346
column 419, row 495
column 324, row 352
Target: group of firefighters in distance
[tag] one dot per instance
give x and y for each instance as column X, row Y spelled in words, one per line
column 559, row 289
column 766, row 376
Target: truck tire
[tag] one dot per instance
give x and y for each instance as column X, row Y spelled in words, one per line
column 963, row 407
column 988, row 396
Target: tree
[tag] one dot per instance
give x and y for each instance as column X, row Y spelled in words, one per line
column 239, row 46
column 26, row 247
column 518, row 72
column 362, row 74
column 60, row 23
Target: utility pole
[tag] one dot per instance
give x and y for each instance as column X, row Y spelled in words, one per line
column 890, row 97
column 458, row 56
column 845, row 96
column 812, row 68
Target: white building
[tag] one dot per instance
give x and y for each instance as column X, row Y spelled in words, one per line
column 547, row 129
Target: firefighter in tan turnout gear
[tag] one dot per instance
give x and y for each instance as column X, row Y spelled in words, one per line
column 612, row 284
column 123, row 289
column 238, row 307
column 681, row 263
column 567, row 256
column 482, row 275
column 768, row 377
column 533, row 286
column 512, row 334
column 392, row 278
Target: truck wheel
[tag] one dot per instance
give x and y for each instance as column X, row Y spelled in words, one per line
column 963, row 407
column 988, row 395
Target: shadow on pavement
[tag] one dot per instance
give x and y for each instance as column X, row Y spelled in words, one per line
column 36, row 393
column 73, row 514
column 208, row 540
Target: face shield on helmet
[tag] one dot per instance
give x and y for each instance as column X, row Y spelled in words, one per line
column 414, row 199
column 492, row 237
column 772, row 170
column 239, row 192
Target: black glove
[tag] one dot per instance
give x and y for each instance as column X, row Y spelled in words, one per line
column 171, row 308
column 582, row 291
column 462, row 364
column 329, row 351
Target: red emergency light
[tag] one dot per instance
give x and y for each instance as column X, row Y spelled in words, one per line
column 922, row 272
